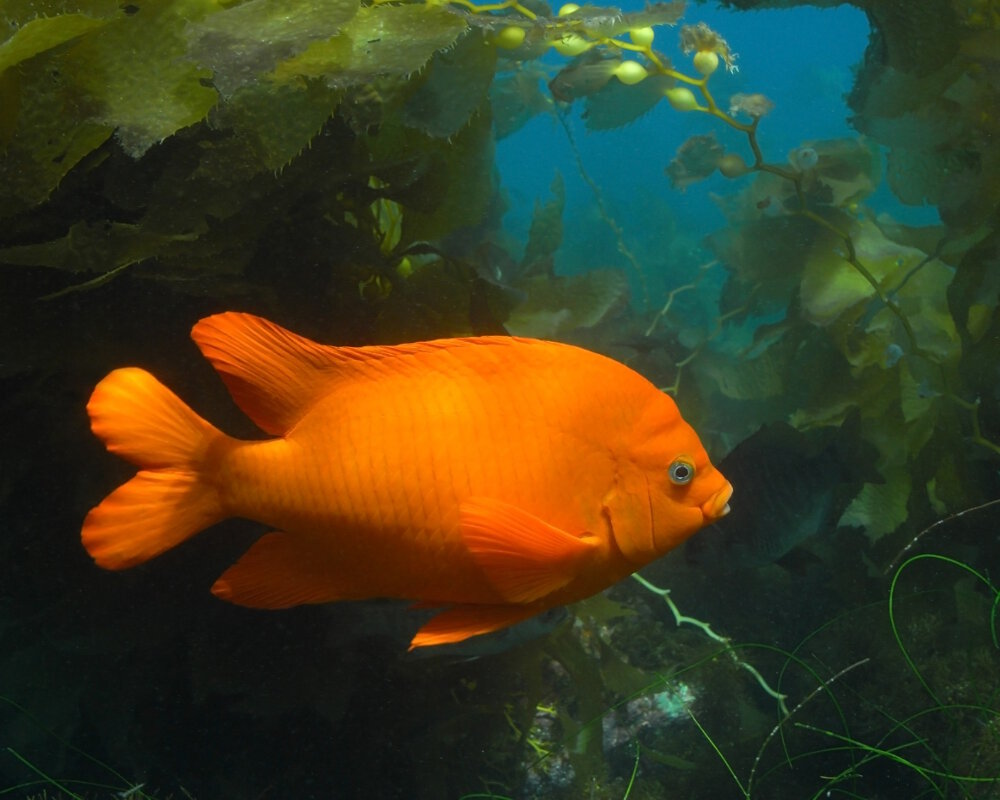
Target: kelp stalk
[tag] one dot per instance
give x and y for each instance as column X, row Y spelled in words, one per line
column 706, row 629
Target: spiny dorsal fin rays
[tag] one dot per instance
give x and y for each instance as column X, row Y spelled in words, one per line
column 275, row 376
column 270, row 372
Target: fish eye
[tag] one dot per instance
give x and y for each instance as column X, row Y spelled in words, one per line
column 681, row 472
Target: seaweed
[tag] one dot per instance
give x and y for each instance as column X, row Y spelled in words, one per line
column 333, row 163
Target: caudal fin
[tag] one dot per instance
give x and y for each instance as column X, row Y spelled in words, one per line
column 169, row 500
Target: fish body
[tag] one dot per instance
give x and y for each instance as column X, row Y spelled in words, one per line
column 493, row 475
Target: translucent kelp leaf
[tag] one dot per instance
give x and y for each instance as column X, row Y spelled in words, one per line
column 46, row 127
column 972, row 192
column 983, row 45
column 602, row 609
column 876, row 343
column 834, row 172
column 388, row 217
column 766, row 256
column 918, row 176
column 556, row 305
column 833, row 413
column 901, row 410
column 89, row 247
column 52, row 131
column 918, row 128
column 247, row 40
column 831, row 286
column 653, row 14
column 923, row 299
column 696, row 159
column 918, row 37
column 16, row 14
column 617, row 104
column 583, row 76
column 975, row 292
column 457, row 80
column 378, row 40
column 517, row 97
column 277, row 122
column 456, row 186
column 914, row 400
column 757, row 378
column 921, row 125
column 891, row 94
column 764, row 197
column 438, row 298
column 134, row 70
column 880, row 508
column 546, row 232
column 947, row 246
column 43, row 34
column 843, row 171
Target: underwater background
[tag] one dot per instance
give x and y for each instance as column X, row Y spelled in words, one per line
column 784, row 214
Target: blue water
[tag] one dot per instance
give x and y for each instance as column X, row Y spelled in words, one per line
column 803, row 59
column 141, row 684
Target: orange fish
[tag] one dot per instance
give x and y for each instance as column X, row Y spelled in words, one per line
column 494, row 476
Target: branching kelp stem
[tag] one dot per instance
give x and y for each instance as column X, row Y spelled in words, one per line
column 850, row 254
column 569, row 34
column 706, row 629
column 977, row 431
column 676, row 291
column 760, row 165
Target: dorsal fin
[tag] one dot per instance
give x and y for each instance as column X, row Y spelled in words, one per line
column 275, row 376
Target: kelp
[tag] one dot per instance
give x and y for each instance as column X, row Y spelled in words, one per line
column 190, row 117
column 240, row 43
column 214, row 134
column 555, row 306
column 929, row 98
column 803, row 253
column 332, row 165
column 376, row 41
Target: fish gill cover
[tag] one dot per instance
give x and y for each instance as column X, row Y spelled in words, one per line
column 332, row 163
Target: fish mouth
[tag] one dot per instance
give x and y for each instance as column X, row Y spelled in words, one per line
column 718, row 504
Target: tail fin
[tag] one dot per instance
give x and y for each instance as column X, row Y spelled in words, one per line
column 168, row 501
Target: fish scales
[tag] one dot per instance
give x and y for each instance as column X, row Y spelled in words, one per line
column 495, row 476
column 443, row 435
column 379, row 473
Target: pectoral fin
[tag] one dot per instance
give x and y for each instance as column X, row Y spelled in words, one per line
column 523, row 557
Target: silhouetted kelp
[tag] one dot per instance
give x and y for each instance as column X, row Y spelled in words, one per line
column 331, row 165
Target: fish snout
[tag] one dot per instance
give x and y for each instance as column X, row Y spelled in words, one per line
column 718, row 504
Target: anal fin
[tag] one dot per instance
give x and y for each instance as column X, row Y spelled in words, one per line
column 459, row 623
column 277, row 572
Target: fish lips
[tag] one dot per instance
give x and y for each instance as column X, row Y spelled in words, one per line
column 718, row 504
